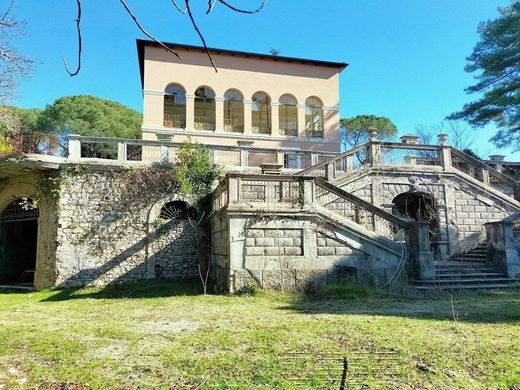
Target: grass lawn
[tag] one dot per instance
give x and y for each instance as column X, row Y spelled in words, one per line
column 167, row 335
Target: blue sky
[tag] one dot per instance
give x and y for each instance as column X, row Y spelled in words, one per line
column 406, row 57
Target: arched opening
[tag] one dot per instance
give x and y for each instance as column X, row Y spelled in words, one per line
column 177, row 209
column 288, row 115
column 174, row 107
column 314, row 117
column 18, row 242
column 204, row 109
column 261, row 113
column 418, row 206
column 233, row 111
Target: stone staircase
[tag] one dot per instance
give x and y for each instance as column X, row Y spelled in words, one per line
column 469, row 270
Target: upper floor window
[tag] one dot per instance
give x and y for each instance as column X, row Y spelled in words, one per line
column 233, row 111
column 204, row 116
column 314, row 117
column 174, row 107
column 261, row 113
column 288, row 115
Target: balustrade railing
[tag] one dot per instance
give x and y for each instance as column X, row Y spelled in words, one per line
column 143, row 151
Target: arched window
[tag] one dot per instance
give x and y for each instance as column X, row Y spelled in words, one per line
column 174, row 107
column 314, row 117
column 233, row 111
column 204, row 109
column 177, row 209
column 261, row 113
column 288, row 115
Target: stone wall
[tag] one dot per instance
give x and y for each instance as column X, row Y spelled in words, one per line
column 462, row 207
column 220, row 250
column 302, row 252
column 109, row 233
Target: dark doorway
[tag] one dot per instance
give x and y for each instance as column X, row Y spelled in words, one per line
column 418, row 206
column 18, row 241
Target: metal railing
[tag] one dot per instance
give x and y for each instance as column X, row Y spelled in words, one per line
column 203, row 123
column 415, row 156
column 174, row 121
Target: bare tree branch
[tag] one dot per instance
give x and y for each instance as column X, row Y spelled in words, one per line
column 129, row 11
column 78, row 27
column 211, row 4
column 243, row 11
column 187, row 2
column 183, row 11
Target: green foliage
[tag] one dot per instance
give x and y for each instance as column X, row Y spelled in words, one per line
column 194, row 171
column 497, row 57
column 18, row 120
column 5, row 147
column 90, row 116
column 249, row 288
column 354, row 131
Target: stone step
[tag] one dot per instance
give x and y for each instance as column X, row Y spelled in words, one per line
column 467, row 287
column 469, row 271
column 501, row 280
column 484, row 275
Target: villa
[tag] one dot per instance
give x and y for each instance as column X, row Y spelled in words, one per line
column 293, row 211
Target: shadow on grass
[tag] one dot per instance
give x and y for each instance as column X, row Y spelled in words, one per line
column 147, row 289
column 495, row 306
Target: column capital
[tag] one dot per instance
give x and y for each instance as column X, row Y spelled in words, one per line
column 275, row 104
column 247, row 101
column 190, row 96
column 220, row 99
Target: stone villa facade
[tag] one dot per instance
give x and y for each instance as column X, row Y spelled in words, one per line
column 292, row 211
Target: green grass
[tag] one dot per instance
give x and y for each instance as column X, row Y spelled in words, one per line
column 167, row 335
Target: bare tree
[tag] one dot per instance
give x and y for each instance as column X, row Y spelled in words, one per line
column 460, row 135
column 185, row 9
column 13, row 65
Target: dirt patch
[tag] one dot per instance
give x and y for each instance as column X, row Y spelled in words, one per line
column 167, row 327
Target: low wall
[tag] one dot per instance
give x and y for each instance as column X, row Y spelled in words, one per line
column 296, row 253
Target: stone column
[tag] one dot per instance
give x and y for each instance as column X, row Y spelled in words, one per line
column 421, row 255
column 219, row 114
column 275, row 118
column 190, row 111
column 301, row 120
column 248, row 120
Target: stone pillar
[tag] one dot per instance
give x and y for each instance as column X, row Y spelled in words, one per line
column 74, row 146
column 233, row 189
column 275, row 118
column 307, row 190
column 219, row 114
column 121, row 151
column 421, row 255
column 248, row 117
column 497, row 160
column 301, row 120
column 190, row 111
column 501, row 248
column 329, row 172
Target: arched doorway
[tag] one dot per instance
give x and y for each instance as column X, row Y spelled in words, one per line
column 418, row 206
column 18, row 242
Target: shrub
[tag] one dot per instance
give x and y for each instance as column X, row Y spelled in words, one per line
column 5, row 147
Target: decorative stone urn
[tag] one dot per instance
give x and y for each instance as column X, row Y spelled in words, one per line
column 410, row 139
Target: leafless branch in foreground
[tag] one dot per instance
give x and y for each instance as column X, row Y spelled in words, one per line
column 185, row 10
column 242, row 11
column 187, row 2
column 129, row 11
column 78, row 28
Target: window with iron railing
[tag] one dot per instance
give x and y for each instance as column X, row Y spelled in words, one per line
column 314, row 117
column 288, row 115
column 204, row 117
column 261, row 113
column 233, row 111
column 174, row 107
